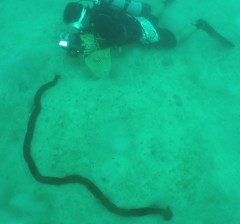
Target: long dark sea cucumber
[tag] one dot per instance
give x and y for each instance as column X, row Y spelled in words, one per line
column 166, row 213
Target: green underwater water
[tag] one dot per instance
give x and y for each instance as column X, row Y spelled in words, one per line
column 162, row 130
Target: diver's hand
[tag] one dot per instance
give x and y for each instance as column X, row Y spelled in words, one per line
column 89, row 48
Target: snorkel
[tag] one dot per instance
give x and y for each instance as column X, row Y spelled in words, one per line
column 78, row 24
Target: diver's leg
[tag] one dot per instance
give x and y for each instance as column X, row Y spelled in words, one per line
column 166, row 38
column 201, row 24
column 186, row 33
column 163, row 7
column 167, row 2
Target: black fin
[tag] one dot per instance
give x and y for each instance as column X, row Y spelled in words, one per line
column 202, row 24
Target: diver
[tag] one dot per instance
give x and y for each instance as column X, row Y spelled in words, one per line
column 115, row 23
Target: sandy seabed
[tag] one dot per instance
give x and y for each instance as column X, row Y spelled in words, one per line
column 162, row 130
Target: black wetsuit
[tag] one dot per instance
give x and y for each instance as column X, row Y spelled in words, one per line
column 118, row 28
column 114, row 28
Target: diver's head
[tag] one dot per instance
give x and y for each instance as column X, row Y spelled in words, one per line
column 74, row 14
